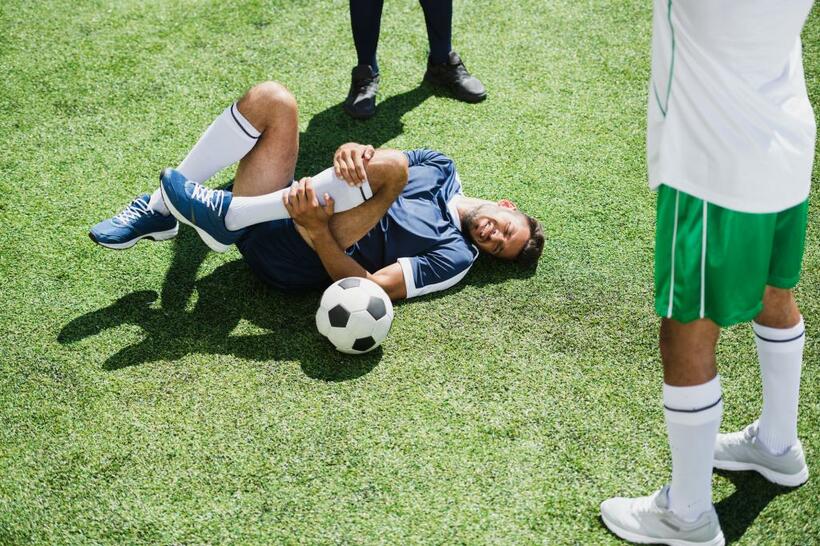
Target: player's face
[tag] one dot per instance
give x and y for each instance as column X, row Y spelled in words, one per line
column 499, row 229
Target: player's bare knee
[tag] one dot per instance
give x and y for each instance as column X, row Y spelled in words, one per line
column 267, row 101
column 277, row 96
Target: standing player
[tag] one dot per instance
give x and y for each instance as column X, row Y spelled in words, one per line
column 730, row 143
column 444, row 66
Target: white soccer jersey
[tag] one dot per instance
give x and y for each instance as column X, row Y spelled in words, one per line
column 729, row 118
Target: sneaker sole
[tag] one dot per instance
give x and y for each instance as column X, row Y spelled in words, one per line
column 155, row 236
column 719, row 540
column 788, row 480
column 212, row 243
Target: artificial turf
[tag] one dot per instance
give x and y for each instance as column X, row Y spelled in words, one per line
column 164, row 395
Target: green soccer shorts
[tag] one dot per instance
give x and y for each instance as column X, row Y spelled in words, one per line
column 712, row 262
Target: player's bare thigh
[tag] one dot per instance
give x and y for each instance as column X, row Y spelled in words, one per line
column 271, row 164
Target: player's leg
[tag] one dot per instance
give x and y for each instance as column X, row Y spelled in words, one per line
column 365, row 20
column 692, row 410
column 220, row 216
column 771, row 446
column 357, row 209
column 438, row 17
column 444, row 66
column 247, row 211
column 271, row 164
column 268, row 114
column 262, row 115
column 780, row 336
column 682, row 511
column 228, row 139
column 687, row 297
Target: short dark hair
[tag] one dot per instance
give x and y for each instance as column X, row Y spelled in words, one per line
column 534, row 246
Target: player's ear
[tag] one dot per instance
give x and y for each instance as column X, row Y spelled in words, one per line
column 507, row 204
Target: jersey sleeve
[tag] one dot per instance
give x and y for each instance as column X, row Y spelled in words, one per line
column 437, row 269
column 423, row 156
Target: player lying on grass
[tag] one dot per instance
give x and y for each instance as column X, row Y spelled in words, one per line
column 397, row 218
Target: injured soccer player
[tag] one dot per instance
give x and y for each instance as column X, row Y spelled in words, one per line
column 397, row 218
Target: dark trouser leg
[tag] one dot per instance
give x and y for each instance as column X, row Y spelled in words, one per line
column 365, row 19
column 438, row 14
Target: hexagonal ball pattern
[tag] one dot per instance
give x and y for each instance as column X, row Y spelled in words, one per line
column 355, row 314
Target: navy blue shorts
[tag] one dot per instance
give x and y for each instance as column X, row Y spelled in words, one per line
column 278, row 255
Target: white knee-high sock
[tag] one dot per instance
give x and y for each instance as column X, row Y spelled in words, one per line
column 227, row 140
column 780, row 352
column 246, row 211
column 693, row 417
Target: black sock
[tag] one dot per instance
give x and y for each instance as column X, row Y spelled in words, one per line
column 438, row 14
column 365, row 19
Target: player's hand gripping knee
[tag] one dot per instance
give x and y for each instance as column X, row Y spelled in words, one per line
column 350, row 160
column 303, row 206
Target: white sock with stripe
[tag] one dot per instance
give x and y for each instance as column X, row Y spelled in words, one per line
column 227, row 140
column 246, row 211
column 780, row 352
column 693, row 417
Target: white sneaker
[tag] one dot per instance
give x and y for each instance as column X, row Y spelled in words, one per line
column 744, row 451
column 648, row 520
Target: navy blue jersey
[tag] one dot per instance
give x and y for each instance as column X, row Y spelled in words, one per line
column 421, row 230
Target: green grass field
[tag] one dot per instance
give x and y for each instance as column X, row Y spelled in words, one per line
column 164, row 395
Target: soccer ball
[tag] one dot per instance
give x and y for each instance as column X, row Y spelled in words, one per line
column 355, row 315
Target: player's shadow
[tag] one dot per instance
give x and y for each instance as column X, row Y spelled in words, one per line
column 751, row 495
column 199, row 316
column 228, row 312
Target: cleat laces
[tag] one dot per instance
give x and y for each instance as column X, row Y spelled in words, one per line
column 212, row 199
column 132, row 212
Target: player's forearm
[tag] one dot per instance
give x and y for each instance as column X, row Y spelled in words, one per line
column 337, row 264
column 391, row 176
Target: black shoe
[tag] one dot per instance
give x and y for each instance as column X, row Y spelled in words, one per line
column 361, row 99
column 454, row 77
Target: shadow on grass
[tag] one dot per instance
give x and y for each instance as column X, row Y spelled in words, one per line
column 199, row 316
column 332, row 127
column 739, row 510
column 751, row 495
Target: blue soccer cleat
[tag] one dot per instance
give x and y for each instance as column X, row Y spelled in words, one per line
column 202, row 208
column 135, row 222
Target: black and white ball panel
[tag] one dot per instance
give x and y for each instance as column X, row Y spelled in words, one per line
column 350, row 282
column 364, row 344
column 355, row 314
column 338, row 316
column 376, row 308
